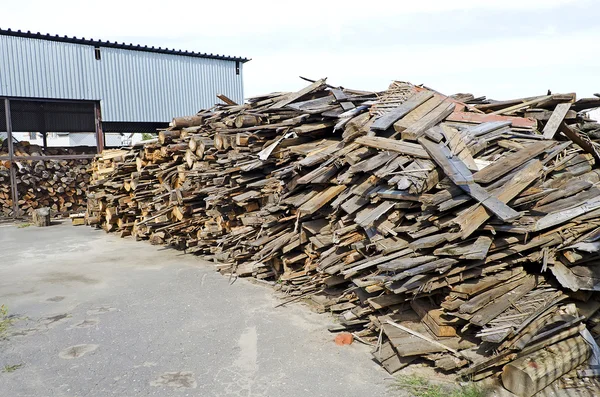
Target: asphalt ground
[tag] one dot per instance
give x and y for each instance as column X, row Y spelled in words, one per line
column 96, row 315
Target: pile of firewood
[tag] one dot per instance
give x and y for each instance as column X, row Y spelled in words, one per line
column 456, row 230
column 57, row 184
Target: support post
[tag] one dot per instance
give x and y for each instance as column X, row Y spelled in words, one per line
column 99, row 132
column 11, row 159
column 43, row 127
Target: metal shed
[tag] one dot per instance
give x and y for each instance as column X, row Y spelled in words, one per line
column 138, row 88
column 69, row 84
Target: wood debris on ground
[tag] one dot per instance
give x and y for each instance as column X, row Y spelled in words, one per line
column 454, row 230
column 57, row 184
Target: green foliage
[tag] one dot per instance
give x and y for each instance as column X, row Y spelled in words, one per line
column 146, row 136
column 418, row 386
column 23, row 225
column 5, row 321
column 11, row 368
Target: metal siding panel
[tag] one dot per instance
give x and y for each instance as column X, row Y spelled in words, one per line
column 133, row 86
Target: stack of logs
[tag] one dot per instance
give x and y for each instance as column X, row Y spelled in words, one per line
column 57, row 184
column 454, row 230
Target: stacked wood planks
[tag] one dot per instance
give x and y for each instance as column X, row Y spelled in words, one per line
column 57, row 184
column 456, row 230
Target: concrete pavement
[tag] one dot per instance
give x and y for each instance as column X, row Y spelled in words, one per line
column 103, row 316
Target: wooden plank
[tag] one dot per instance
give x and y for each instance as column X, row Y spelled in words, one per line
column 393, row 165
column 452, row 166
column 492, row 203
column 435, row 133
column 469, row 117
column 434, row 319
column 574, row 136
column 321, row 199
column 495, row 105
column 522, row 105
column 354, row 203
column 544, row 115
column 437, row 265
column 308, row 128
column 485, row 298
column 430, row 241
column 370, row 262
column 493, row 310
column 225, row 99
column 385, row 121
column 296, row 95
column 487, row 127
column 476, row 251
column 556, row 218
column 569, row 201
column 341, row 98
column 397, row 195
column 409, row 148
column 457, row 343
column 458, row 172
column 405, row 263
column 509, row 162
column 374, row 162
column 389, row 359
column 418, row 113
column 555, row 120
column 365, row 220
column 458, row 147
column 472, row 287
column 471, row 220
column 386, row 300
column 432, row 118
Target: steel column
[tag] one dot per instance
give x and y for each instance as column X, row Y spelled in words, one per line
column 11, row 158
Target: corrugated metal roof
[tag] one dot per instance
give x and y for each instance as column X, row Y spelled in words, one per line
column 133, row 86
column 124, row 46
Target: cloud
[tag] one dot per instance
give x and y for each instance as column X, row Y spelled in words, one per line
column 500, row 48
column 506, row 66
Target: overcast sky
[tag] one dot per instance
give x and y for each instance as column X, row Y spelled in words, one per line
column 502, row 49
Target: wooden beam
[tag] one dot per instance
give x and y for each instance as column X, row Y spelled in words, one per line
column 418, row 113
column 315, row 203
column 471, row 220
column 412, row 149
column 556, row 119
column 460, row 174
column 425, row 338
column 386, row 120
column 432, row 118
column 522, row 105
column 452, row 166
column 562, row 216
column 225, row 99
column 574, row 136
column 296, row 95
column 510, row 162
column 477, row 118
column 528, row 375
